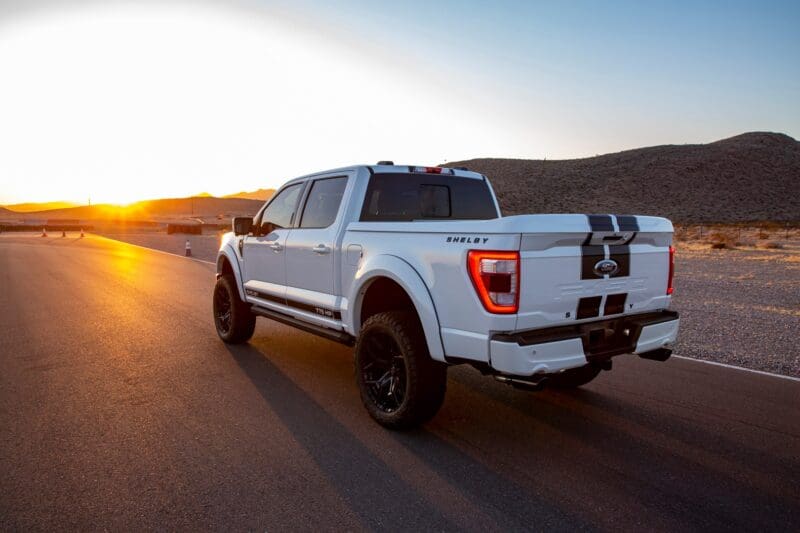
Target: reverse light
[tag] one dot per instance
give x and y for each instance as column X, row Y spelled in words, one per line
column 495, row 276
column 670, row 288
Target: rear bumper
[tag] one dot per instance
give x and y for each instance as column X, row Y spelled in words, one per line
column 549, row 350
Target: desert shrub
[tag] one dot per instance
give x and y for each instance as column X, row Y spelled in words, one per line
column 771, row 245
column 762, row 235
column 722, row 239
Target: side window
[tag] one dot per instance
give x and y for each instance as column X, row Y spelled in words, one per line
column 323, row 202
column 278, row 213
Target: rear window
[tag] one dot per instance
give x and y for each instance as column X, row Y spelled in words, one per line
column 404, row 197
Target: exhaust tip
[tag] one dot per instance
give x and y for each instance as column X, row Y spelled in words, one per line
column 661, row 354
column 534, row 384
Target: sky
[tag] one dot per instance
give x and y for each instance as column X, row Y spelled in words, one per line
column 117, row 101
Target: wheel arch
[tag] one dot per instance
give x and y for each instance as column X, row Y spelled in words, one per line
column 381, row 273
column 228, row 263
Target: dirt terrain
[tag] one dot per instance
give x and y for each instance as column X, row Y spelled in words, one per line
column 753, row 176
column 738, row 291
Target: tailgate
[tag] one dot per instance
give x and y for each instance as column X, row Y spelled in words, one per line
column 616, row 265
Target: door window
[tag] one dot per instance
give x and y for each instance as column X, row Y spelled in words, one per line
column 323, row 202
column 281, row 209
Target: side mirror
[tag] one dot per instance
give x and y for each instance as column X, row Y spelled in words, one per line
column 242, row 225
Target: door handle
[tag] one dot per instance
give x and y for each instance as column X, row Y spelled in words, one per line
column 276, row 246
column 321, row 249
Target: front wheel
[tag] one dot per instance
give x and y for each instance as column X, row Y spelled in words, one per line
column 400, row 385
column 234, row 320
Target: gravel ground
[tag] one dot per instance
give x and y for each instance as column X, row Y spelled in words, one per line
column 740, row 307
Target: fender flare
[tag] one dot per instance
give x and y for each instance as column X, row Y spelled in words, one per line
column 228, row 253
column 402, row 273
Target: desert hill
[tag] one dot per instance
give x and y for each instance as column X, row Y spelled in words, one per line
column 260, row 194
column 754, row 176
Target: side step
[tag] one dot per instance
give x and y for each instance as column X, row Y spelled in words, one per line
column 330, row 334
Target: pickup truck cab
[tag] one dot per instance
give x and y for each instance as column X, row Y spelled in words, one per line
column 416, row 268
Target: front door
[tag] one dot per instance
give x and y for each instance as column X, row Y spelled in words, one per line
column 264, row 249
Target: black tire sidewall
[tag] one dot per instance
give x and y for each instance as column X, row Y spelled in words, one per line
column 242, row 318
column 425, row 378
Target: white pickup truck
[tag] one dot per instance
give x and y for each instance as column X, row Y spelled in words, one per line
column 417, row 268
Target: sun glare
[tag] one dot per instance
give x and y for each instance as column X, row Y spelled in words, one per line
column 119, row 103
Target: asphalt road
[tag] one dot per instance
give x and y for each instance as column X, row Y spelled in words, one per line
column 120, row 409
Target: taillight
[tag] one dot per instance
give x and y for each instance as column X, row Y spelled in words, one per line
column 670, row 288
column 495, row 276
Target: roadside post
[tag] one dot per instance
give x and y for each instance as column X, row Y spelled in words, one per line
column 188, row 248
column 44, row 232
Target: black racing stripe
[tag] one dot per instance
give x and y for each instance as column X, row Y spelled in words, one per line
column 627, row 223
column 590, row 255
column 588, row 307
column 322, row 311
column 622, row 255
column 615, row 304
column 600, row 222
column 266, row 296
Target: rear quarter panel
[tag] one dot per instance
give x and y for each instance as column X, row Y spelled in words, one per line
column 440, row 260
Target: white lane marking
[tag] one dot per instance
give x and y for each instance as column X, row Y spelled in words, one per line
column 154, row 250
column 790, row 378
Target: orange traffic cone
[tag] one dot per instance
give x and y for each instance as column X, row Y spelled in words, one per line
column 81, row 233
column 44, row 232
column 188, row 248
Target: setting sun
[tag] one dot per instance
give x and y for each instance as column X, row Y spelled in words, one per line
column 131, row 102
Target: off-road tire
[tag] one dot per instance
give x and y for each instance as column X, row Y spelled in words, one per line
column 234, row 320
column 425, row 380
column 574, row 377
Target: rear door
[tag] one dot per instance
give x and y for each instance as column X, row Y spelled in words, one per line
column 312, row 251
column 264, row 249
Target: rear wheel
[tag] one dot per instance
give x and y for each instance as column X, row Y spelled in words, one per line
column 233, row 318
column 574, row 377
column 400, row 385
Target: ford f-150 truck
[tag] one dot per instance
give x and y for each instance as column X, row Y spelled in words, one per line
column 416, row 268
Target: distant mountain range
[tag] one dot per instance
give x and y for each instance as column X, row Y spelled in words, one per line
column 753, row 176
column 179, row 208
column 201, row 205
column 41, row 206
column 260, row 194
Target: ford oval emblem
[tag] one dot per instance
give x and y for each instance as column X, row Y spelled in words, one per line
column 606, row 266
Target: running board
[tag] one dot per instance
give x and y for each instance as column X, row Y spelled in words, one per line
column 330, row 334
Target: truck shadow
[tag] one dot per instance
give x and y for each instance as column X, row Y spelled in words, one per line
column 531, row 463
column 372, row 488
